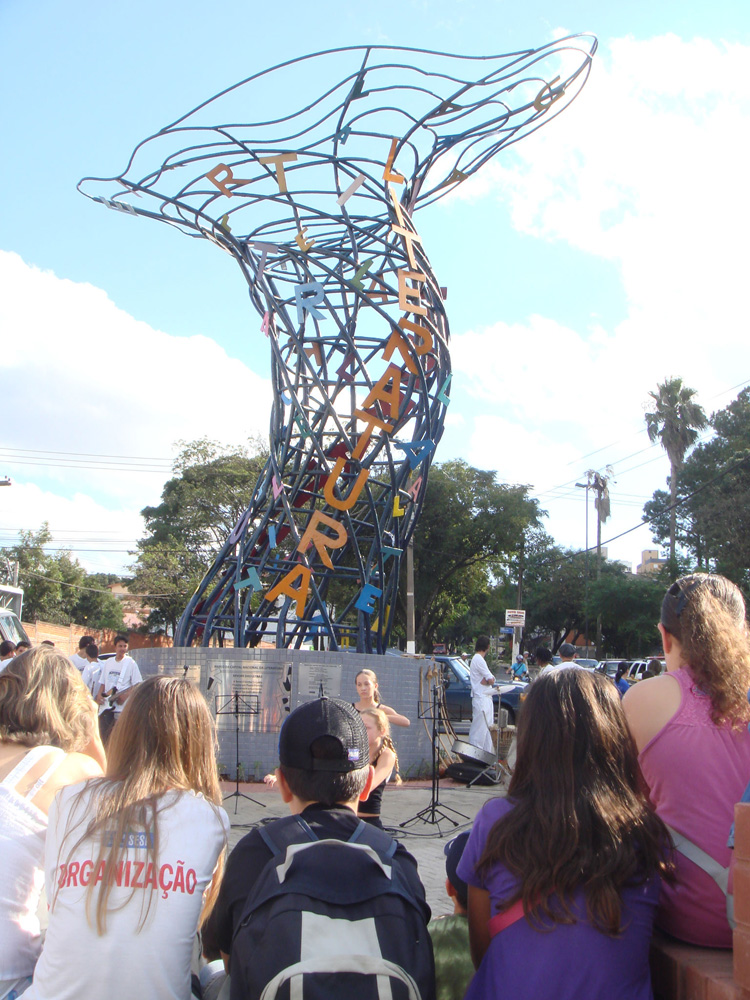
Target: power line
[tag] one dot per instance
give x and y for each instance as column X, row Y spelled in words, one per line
column 83, row 454
column 95, row 590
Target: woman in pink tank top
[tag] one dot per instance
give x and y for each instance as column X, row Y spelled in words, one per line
column 691, row 729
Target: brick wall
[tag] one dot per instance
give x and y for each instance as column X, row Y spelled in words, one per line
column 65, row 637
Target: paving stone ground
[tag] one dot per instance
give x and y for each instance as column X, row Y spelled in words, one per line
column 425, row 840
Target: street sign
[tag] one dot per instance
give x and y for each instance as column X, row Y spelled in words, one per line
column 507, row 630
column 515, row 617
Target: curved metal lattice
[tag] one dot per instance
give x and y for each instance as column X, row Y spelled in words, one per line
column 315, row 201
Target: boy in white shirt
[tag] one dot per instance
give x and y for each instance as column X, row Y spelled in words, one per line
column 92, row 671
column 120, row 673
column 79, row 658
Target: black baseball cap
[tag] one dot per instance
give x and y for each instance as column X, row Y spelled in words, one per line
column 453, row 851
column 324, row 717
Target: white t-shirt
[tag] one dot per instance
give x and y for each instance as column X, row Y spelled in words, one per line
column 562, row 665
column 122, row 675
column 76, row 963
column 91, row 675
column 78, row 661
column 478, row 670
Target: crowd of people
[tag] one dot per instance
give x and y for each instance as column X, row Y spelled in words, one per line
column 616, row 820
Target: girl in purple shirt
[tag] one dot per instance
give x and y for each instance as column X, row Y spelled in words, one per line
column 564, row 874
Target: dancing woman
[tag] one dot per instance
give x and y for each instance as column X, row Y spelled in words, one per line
column 369, row 697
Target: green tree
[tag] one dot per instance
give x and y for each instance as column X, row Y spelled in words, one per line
column 167, row 574
column 629, row 606
column 57, row 588
column 470, row 529
column 209, row 491
column 554, row 591
column 94, row 606
column 713, row 517
column 675, row 421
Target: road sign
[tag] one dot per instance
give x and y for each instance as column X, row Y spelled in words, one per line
column 507, row 630
column 515, row 617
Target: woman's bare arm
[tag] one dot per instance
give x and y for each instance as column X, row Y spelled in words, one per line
column 393, row 717
column 479, row 918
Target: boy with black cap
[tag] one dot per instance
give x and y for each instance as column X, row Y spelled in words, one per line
column 324, row 771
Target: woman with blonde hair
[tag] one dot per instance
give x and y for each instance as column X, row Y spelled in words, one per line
column 690, row 726
column 383, row 758
column 130, row 857
column 49, row 738
column 369, row 697
column 564, row 873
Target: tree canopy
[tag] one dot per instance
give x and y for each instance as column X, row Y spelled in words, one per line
column 675, row 421
column 558, row 601
column 470, row 530
column 58, row 589
column 210, row 489
column 712, row 518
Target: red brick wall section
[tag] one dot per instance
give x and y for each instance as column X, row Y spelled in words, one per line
column 65, row 637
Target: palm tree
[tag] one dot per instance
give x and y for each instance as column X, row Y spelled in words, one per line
column 675, row 421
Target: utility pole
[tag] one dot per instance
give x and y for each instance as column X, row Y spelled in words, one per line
column 518, row 632
column 586, row 486
column 411, row 646
column 600, row 484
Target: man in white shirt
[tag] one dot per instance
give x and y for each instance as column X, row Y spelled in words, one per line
column 120, row 673
column 93, row 669
column 7, row 652
column 482, row 712
column 79, row 659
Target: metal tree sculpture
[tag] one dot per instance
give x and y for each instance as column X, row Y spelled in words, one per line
column 316, row 205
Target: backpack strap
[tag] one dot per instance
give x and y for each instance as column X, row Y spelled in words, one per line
column 707, row 864
column 505, row 919
column 378, row 840
column 287, row 832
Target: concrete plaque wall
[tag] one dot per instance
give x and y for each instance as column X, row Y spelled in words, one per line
column 251, row 691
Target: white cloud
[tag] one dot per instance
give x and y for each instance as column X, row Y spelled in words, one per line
column 101, row 536
column 82, row 376
column 646, row 169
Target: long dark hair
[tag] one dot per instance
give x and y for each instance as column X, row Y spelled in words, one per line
column 706, row 614
column 580, row 819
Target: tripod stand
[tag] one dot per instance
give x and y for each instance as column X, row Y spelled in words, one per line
column 234, row 704
column 435, row 811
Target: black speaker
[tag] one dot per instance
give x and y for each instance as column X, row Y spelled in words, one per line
column 465, row 772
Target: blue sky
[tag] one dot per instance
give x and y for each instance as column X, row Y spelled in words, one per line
column 583, row 266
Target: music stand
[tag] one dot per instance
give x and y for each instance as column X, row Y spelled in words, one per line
column 435, row 811
column 236, row 705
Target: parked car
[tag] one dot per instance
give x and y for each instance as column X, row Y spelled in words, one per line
column 638, row 668
column 458, row 692
column 587, row 662
column 609, row 667
column 11, row 605
column 10, row 627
